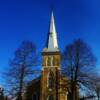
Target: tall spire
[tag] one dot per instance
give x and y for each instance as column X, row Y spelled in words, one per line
column 52, row 44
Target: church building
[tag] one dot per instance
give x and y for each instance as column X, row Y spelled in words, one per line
column 51, row 85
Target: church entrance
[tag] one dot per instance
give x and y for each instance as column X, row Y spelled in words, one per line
column 35, row 97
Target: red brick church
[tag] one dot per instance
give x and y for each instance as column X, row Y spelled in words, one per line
column 51, row 85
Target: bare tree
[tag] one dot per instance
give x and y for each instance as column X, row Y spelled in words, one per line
column 97, row 91
column 1, row 94
column 21, row 68
column 78, row 64
column 95, row 87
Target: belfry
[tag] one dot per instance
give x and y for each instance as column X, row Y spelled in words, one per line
column 51, row 85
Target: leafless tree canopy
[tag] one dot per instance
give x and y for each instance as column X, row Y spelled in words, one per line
column 21, row 67
column 79, row 64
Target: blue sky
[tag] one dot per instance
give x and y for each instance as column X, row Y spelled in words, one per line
column 29, row 20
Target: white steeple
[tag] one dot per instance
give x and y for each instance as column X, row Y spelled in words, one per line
column 52, row 38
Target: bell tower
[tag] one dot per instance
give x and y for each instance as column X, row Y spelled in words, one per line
column 50, row 66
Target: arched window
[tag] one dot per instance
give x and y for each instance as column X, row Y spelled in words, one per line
column 50, row 80
column 50, row 97
column 50, row 61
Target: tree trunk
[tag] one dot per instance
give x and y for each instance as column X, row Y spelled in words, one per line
column 21, row 83
column 57, row 82
column 74, row 92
